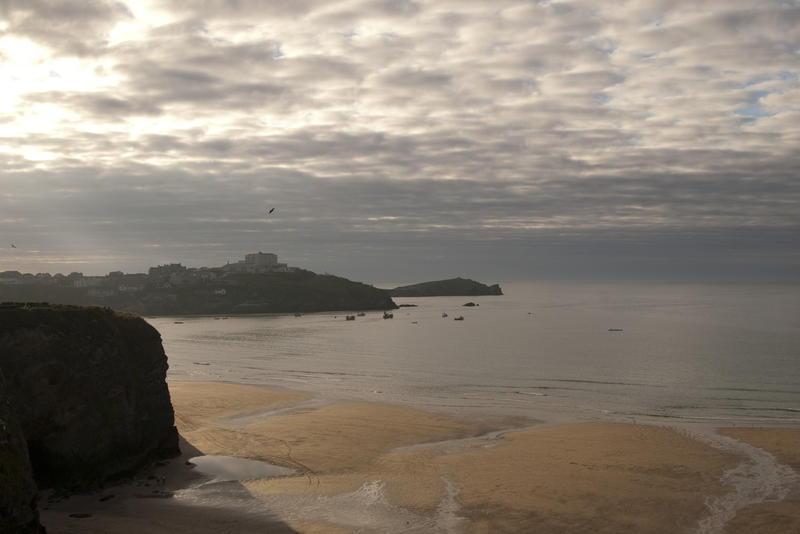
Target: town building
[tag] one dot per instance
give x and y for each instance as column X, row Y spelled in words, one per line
column 256, row 263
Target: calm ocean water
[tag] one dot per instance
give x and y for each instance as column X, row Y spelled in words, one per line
column 686, row 352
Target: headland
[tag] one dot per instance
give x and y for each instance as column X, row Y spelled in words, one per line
column 257, row 284
column 452, row 287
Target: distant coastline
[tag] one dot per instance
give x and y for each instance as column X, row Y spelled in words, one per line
column 452, row 287
column 257, row 284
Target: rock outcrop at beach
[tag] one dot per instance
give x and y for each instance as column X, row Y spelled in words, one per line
column 88, row 389
column 453, row 287
column 18, row 511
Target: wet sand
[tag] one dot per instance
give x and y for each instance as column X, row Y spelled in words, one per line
column 770, row 517
column 136, row 507
column 378, row 468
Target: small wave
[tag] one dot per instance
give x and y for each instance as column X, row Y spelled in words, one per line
column 603, row 382
column 760, row 478
column 753, row 390
column 366, row 509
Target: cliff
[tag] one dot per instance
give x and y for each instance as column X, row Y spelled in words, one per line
column 88, row 389
column 453, row 287
column 17, row 489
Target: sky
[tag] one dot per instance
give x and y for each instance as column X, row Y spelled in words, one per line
column 404, row 140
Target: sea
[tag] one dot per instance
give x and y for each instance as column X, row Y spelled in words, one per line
column 725, row 353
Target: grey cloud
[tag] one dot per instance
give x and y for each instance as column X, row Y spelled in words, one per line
column 165, row 84
column 320, row 69
column 105, row 105
column 392, row 7
column 69, row 28
column 582, row 81
column 243, row 9
column 97, row 106
column 415, row 79
column 163, row 143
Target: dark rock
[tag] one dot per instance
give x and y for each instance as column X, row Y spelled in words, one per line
column 80, row 515
column 18, row 492
column 91, row 410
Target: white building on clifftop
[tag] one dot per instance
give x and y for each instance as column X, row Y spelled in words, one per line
column 259, row 262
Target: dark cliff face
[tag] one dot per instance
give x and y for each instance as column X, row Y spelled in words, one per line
column 88, row 388
column 17, row 489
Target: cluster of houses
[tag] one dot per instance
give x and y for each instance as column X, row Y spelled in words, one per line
column 162, row 276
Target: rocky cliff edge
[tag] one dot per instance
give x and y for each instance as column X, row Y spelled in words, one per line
column 85, row 388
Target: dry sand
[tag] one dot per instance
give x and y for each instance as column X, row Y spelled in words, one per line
column 377, row 468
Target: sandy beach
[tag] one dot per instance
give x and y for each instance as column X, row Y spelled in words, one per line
column 368, row 467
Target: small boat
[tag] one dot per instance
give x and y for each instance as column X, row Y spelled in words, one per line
column 615, row 329
column 297, row 314
column 459, row 318
column 349, row 317
column 387, row 315
column 178, row 322
column 361, row 314
column 444, row 314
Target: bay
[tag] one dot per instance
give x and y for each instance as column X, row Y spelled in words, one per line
column 683, row 352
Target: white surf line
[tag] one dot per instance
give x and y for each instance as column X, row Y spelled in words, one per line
column 759, row 478
column 365, row 510
column 242, row 420
column 447, row 518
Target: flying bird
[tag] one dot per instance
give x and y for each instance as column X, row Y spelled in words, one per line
column 270, row 210
column 13, row 245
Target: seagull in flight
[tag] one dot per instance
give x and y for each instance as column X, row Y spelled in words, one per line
column 270, row 210
column 13, row 245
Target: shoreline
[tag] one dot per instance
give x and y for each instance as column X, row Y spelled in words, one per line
column 384, row 468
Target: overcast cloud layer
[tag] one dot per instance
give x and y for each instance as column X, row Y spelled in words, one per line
column 403, row 140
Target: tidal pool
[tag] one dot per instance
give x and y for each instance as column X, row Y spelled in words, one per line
column 226, row 468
